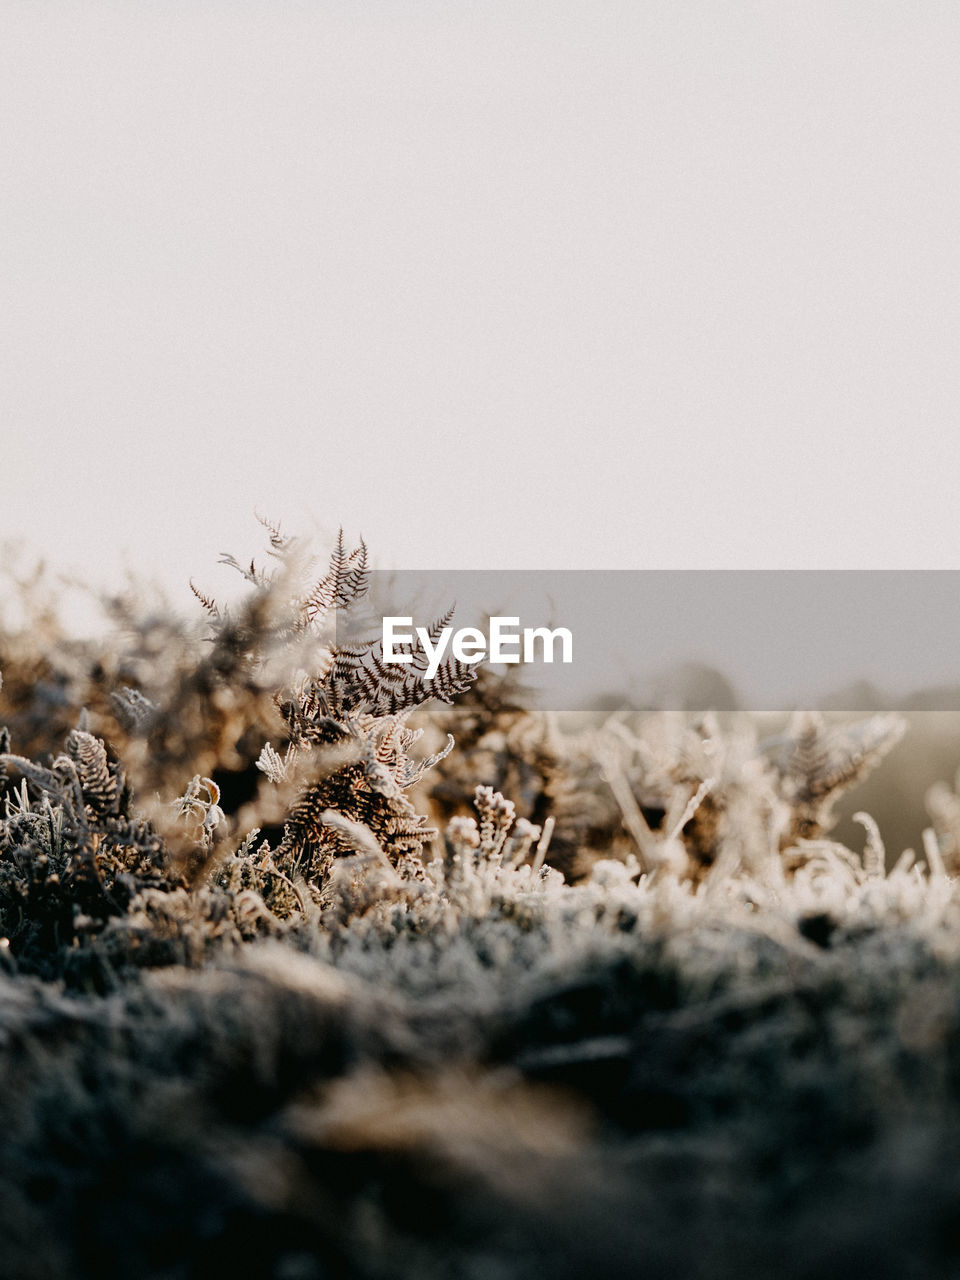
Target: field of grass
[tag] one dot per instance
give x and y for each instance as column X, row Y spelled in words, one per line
column 313, row 969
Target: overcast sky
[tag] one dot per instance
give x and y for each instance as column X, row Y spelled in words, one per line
column 596, row 284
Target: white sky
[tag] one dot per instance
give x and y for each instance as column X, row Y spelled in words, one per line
column 595, row 284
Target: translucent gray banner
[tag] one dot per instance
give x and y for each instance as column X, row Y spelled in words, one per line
column 758, row 640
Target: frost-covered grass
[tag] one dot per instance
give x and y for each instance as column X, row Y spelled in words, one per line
column 287, row 991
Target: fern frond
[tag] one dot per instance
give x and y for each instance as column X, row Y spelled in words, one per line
column 279, row 542
column 452, row 678
column 345, row 582
column 820, row 763
column 208, row 602
column 99, row 784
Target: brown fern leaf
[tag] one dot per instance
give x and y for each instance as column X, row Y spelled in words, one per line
column 421, row 660
column 208, row 602
column 359, row 795
column 821, row 762
column 279, row 542
column 100, row 784
column 451, row 680
column 345, row 581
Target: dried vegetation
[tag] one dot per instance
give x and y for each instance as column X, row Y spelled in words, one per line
column 312, row 967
